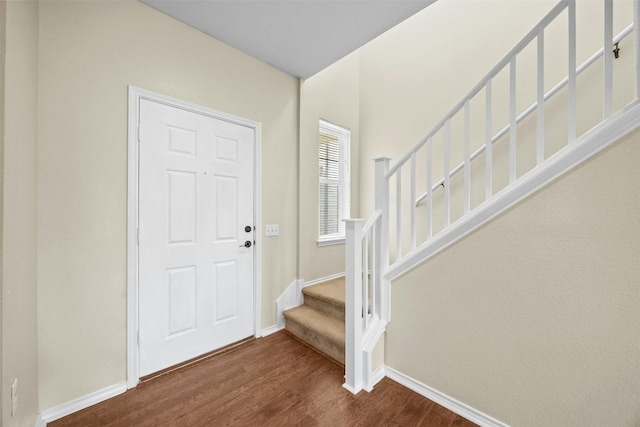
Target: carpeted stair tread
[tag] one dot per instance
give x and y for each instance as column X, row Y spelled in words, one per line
column 318, row 322
column 321, row 331
column 331, row 292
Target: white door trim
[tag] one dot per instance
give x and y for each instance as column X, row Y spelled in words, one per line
column 135, row 95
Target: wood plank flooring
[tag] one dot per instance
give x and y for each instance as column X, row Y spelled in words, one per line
column 272, row 381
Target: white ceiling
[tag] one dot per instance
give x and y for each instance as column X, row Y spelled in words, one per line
column 299, row 37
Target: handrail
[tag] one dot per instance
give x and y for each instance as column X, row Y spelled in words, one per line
column 557, row 10
column 586, row 64
column 371, row 221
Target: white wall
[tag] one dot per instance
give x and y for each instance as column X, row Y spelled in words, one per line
column 333, row 95
column 89, row 53
column 19, row 260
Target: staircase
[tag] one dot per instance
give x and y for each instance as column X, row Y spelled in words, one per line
column 319, row 322
column 423, row 201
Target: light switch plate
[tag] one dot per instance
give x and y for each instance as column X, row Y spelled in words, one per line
column 271, row 230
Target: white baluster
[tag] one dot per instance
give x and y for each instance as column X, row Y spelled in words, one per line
column 375, row 279
column 382, row 233
column 365, row 282
column 636, row 33
column 488, row 180
column 571, row 117
column 399, row 213
column 412, row 197
column 447, row 178
column 429, row 190
column 540, row 103
column 608, row 58
column 512, row 120
column 467, row 160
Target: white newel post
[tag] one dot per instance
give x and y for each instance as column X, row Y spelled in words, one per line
column 353, row 305
column 381, row 203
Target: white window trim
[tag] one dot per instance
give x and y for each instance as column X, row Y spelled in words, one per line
column 330, row 241
column 344, row 196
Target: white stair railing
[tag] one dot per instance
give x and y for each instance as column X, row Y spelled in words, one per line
column 416, row 252
column 368, row 267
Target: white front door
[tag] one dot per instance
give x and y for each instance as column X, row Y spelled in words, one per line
column 196, row 213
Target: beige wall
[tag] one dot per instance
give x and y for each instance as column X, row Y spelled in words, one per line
column 333, row 95
column 388, row 94
column 533, row 319
column 19, row 261
column 509, row 321
column 89, row 53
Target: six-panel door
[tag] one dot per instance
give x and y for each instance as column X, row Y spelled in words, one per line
column 196, row 284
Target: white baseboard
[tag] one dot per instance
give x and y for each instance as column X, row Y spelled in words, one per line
column 323, row 279
column 40, row 422
column 350, row 389
column 76, row 405
column 377, row 376
column 270, row 330
column 291, row 297
column 442, row 399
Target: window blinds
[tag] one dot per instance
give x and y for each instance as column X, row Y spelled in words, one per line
column 334, row 180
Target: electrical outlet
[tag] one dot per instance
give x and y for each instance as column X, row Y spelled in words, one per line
column 14, row 397
column 272, row 230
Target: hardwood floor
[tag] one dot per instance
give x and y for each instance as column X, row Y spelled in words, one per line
column 273, row 381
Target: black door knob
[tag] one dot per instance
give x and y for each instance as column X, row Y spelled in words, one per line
column 247, row 244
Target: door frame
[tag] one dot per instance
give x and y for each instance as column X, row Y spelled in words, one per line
column 133, row 165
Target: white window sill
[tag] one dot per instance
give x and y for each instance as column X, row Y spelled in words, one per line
column 330, row 241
